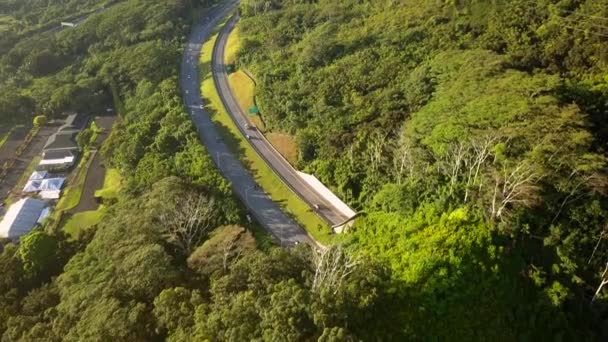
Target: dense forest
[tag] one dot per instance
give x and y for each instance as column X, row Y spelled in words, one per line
column 153, row 270
column 470, row 135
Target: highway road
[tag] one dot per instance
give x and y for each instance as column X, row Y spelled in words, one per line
column 273, row 158
column 266, row 212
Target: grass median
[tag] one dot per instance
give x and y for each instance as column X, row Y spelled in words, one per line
column 264, row 176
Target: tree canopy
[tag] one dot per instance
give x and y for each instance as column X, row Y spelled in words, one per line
column 470, row 136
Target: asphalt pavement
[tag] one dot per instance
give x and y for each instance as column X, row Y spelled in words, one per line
column 266, row 212
column 323, row 207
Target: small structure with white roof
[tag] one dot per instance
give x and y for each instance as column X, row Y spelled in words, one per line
column 60, row 159
column 38, row 175
column 32, row 186
column 329, row 196
column 49, row 188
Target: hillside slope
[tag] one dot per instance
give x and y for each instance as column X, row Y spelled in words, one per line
column 473, row 135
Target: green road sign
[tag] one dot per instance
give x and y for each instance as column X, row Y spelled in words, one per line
column 253, row 110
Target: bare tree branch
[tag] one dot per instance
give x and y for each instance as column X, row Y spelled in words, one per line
column 332, row 267
column 189, row 222
column 603, row 282
column 599, row 240
column 515, row 186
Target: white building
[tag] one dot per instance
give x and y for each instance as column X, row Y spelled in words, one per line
column 22, row 217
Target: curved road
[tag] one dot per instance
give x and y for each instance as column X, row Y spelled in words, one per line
column 267, row 212
column 273, row 158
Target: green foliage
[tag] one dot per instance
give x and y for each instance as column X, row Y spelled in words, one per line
column 224, row 247
column 124, row 267
column 174, row 309
column 83, row 139
column 411, row 109
column 38, row 253
column 40, row 120
column 269, row 296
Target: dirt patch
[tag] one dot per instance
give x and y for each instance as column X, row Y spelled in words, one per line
column 286, row 145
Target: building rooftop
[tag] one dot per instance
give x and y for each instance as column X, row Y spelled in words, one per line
column 21, row 218
column 58, row 154
column 74, row 122
column 61, row 141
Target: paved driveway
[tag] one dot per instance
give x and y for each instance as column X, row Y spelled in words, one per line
column 97, row 171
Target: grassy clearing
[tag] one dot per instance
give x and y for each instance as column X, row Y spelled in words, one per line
column 82, row 221
column 111, row 185
column 264, row 176
column 243, row 88
column 73, row 192
column 14, row 196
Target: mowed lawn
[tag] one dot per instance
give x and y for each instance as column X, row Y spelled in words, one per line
column 86, row 219
column 82, row 221
column 263, row 175
column 111, row 185
column 232, row 46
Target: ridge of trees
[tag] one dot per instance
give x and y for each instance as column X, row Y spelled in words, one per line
column 472, row 136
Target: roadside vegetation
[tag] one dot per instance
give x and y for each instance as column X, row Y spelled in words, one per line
column 77, row 223
column 243, row 88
